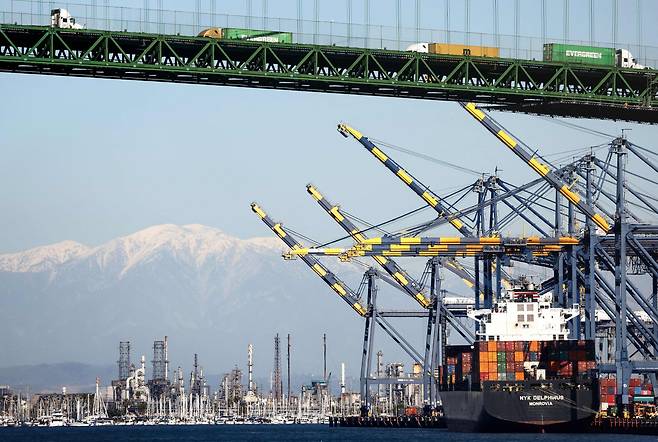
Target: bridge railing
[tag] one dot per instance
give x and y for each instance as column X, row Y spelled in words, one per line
column 190, row 23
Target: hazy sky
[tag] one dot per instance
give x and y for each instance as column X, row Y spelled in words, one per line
column 91, row 159
column 88, row 159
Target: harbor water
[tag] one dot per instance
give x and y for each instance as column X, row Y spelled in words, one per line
column 276, row 433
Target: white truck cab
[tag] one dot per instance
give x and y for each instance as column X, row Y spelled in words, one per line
column 61, row 18
column 625, row 59
column 419, row 47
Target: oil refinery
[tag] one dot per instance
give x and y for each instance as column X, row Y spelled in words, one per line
column 149, row 393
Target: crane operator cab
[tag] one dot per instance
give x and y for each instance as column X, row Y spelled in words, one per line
column 61, row 18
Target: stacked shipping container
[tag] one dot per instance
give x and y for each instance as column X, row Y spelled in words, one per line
column 504, row 361
column 515, row 360
column 458, row 364
column 640, row 392
column 508, row 361
column 608, row 393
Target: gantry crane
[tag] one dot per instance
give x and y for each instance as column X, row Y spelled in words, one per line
column 419, row 188
column 592, row 251
column 437, row 310
column 531, row 158
column 374, row 316
column 320, row 269
column 446, row 246
column 409, row 284
column 436, row 203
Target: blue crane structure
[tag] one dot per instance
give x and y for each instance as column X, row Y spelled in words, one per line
column 606, row 240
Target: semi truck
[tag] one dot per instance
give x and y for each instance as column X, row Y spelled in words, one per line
column 247, row 34
column 455, row 49
column 559, row 52
column 61, row 18
column 590, row 55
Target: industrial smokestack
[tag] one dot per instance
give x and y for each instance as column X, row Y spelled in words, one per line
column 166, row 358
column 277, row 388
column 250, row 363
column 324, row 356
column 342, row 377
column 288, row 371
column 124, row 360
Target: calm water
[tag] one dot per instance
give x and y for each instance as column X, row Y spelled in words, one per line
column 281, row 433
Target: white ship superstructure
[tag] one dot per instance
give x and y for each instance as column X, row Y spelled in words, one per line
column 523, row 315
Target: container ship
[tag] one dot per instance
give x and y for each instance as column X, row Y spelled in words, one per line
column 523, row 374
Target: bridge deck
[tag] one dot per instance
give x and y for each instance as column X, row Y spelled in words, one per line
column 514, row 85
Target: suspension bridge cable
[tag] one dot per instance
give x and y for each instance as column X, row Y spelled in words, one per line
column 428, row 158
column 376, row 226
column 578, row 127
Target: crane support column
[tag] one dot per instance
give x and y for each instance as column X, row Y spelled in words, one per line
column 558, row 271
column 434, row 318
column 621, row 231
column 493, row 230
column 368, row 339
column 654, row 301
column 439, row 335
column 427, row 360
column 572, row 288
column 590, row 255
column 479, row 228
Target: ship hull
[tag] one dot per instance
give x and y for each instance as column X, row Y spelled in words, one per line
column 523, row 406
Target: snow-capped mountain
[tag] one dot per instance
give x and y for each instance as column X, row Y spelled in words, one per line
column 211, row 293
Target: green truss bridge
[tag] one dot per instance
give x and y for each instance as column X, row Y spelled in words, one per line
column 507, row 84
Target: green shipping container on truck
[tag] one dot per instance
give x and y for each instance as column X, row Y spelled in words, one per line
column 257, row 35
column 565, row 53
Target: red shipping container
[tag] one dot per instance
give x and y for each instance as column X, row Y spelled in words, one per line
column 500, row 346
column 608, row 382
column 410, row 411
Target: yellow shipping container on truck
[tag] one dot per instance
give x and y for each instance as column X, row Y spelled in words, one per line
column 458, row 49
